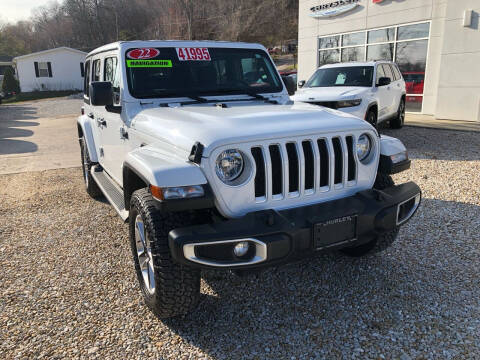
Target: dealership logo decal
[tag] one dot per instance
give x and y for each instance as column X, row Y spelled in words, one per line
column 334, row 8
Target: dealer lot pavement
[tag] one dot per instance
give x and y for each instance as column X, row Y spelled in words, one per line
column 68, row 289
column 39, row 135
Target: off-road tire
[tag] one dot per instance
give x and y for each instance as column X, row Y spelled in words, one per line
column 372, row 118
column 177, row 287
column 90, row 185
column 383, row 241
column 398, row 121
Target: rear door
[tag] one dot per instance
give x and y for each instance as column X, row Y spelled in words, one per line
column 386, row 94
column 399, row 86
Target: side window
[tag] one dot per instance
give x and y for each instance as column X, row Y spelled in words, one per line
column 397, row 72
column 111, row 73
column 110, row 69
column 86, row 82
column 43, row 69
column 380, row 72
column 388, row 72
column 82, row 69
column 395, row 76
column 96, row 70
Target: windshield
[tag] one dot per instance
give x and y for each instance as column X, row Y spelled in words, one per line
column 178, row 72
column 342, row 76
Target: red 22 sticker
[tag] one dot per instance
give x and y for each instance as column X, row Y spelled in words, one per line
column 193, row 54
column 143, row 53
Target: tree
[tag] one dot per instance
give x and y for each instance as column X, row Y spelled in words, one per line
column 10, row 84
column 87, row 24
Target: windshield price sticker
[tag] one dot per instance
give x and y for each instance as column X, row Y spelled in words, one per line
column 143, row 53
column 149, row 63
column 193, row 54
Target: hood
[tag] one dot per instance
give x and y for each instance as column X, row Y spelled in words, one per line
column 329, row 93
column 213, row 126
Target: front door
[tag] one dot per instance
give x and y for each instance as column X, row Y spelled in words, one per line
column 111, row 125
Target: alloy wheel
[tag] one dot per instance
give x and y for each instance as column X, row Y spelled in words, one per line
column 144, row 254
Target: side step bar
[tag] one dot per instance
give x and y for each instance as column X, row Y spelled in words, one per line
column 111, row 190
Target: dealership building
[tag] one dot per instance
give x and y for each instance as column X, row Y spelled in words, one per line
column 436, row 44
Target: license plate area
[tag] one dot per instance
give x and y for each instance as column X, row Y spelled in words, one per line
column 334, row 232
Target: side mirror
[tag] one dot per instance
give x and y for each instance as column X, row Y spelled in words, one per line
column 384, row 81
column 301, row 83
column 101, row 93
column 289, row 84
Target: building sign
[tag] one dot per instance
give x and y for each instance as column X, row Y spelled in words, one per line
column 334, row 8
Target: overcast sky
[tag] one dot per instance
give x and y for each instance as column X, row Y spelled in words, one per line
column 13, row 10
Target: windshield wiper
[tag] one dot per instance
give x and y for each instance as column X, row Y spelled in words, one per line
column 261, row 97
column 246, row 92
column 197, row 98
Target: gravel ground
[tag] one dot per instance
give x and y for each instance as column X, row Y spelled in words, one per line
column 67, row 285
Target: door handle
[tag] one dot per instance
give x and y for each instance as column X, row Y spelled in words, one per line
column 90, row 115
column 101, row 122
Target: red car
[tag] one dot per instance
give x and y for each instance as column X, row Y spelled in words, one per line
column 414, row 81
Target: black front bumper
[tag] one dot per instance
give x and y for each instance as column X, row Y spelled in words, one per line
column 288, row 235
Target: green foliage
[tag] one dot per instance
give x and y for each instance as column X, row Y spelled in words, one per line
column 10, row 84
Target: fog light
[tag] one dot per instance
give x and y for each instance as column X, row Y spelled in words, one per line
column 241, row 248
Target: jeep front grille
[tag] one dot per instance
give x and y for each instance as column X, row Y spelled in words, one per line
column 293, row 168
column 293, row 171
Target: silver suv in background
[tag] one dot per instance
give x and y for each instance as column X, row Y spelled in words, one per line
column 374, row 91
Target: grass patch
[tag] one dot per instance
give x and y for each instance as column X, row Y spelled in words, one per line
column 36, row 95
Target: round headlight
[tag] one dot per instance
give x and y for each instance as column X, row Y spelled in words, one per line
column 364, row 146
column 229, row 165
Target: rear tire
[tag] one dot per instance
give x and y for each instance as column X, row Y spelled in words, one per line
column 383, row 241
column 169, row 289
column 90, row 185
column 399, row 120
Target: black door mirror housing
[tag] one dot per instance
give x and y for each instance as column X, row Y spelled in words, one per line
column 101, row 93
column 289, row 84
column 384, row 81
column 301, row 83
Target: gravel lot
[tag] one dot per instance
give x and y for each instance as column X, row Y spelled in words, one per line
column 67, row 285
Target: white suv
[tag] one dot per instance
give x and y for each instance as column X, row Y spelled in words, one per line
column 197, row 145
column 374, row 91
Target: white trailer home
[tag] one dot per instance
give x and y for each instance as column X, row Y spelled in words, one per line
column 51, row 70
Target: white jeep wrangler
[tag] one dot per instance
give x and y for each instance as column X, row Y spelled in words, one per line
column 198, row 146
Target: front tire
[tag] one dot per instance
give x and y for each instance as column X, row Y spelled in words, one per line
column 399, row 120
column 382, row 241
column 372, row 118
column 169, row 289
